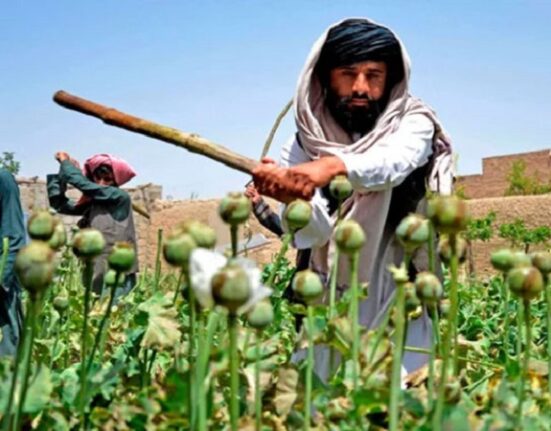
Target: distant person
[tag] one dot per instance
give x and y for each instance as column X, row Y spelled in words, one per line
column 355, row 116
column 12, row 227
column 103, row 205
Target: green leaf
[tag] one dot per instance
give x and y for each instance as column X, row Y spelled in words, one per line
column 40, row 389
column 286, row 390
column 162, row 330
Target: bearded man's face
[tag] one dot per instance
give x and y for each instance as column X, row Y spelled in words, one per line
column 354, row 94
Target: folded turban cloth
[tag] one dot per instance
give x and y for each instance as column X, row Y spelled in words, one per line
column 358, row 40
column 122, row 171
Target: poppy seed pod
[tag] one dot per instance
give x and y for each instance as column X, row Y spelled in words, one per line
column 307, row 286
column 413, row 231
column 61, row 303
column 428, row 288
column 542, row 261
column 502, row 260
column 349, row 237
column 203, row 235
column 235, row 208
column 41, row 225
column 340, row 188
column 261, row 315
column 444, row 306
column 297, row 214
column 526, row 282
column 521, row 259
column 88, row 243
column 122, row 257
column 231, row 287
column 445, row 249
column 110, row 278
column 448, row 214
column 59, row 236
column 35, row 265
column 177, row 248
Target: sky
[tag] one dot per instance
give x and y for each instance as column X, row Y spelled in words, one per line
column 225, row 69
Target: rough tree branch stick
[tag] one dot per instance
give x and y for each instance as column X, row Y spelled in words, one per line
column 189, row 141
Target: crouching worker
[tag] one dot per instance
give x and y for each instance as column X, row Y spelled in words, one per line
column 13, row 228
column 103, row 205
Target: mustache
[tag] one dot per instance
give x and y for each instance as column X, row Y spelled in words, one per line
column 356, row 96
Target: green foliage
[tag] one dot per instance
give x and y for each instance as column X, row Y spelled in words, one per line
column 520, row 183
column 523, row 237
column 141, row 376
column 8, row 162
column 481, row 228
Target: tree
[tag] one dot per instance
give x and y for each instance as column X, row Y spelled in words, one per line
column 8, row 162
column 478, row 229
column 522, row 184
column 521, row 236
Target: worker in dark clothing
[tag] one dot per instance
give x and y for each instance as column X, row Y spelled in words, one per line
column 103, row 205
column 13, row 228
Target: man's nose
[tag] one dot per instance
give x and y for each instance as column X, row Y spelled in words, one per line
column 360, row 86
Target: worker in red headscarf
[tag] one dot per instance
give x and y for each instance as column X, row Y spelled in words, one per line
column 103, row 205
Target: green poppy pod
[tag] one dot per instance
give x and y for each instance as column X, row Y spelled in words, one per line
column 61, row 303
column 88, row 243
column 445, row 249
column 429, row 288
column 41, row 225
column 542, row 261
column 235, row 208
column 110, row 278
column 521, row 259
column 349, row 237
column 35, row 266
column 526, row 282
column 502, row 260
column 413, row 231
column 203, row 235
column 122, row 257
column 261, row 315
column 59, row 236
column 340, row 188
column 448, row 214
column 297, row 214
column 307, row 286
column 177, row 248
column 231, row 287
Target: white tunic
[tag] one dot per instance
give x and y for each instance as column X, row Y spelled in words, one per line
column 384, row 167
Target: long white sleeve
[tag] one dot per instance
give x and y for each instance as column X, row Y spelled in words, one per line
column 391, row 160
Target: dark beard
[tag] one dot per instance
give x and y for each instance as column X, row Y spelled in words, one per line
column 354, row 119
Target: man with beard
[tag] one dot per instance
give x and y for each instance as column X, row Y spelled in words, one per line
column 355, row 117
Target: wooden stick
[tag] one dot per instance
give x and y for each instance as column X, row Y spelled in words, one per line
column 190, row 141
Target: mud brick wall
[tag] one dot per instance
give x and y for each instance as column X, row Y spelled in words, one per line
column 166, row 214
column 534, row 210
column 493, row 180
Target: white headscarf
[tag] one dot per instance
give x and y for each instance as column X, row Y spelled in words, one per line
column 319, row 135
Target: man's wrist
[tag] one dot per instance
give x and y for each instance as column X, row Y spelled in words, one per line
column 335, row 166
